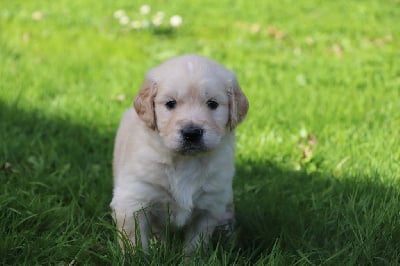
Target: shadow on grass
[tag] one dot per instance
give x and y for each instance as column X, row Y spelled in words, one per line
column 56, row 187
column 316, row 218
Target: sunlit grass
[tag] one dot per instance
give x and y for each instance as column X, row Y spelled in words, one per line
column 317, row 157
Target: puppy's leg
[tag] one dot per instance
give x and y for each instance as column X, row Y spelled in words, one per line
column 133, row 226
column 131, row 209
column 199, row 232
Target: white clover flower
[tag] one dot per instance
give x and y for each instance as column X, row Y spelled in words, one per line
column 175, row 21
column 37, row 15
column 136, row 25
column 157, row 21
column 145, row 9
column 160, row 15
column 158, row 18
column 124, row 20
column 119, row 14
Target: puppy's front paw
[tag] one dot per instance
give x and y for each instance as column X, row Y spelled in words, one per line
column 227, row 224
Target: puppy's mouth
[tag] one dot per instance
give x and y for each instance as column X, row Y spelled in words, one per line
column 191, row 149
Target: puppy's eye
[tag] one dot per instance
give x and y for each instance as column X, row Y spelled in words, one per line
column 170, row 104
column 212, row 104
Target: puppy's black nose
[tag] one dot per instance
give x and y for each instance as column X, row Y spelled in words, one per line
column 192, row 133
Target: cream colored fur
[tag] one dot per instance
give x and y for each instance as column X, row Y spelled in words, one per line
column 157, row 178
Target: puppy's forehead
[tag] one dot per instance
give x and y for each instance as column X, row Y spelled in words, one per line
column 190, row 89
column 191, row 72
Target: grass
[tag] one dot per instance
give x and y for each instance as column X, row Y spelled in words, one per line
column 318, row 157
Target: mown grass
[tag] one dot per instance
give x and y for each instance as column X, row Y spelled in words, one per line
column 317, row 157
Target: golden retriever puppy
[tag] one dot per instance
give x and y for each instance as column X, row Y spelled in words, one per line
column 174, row 152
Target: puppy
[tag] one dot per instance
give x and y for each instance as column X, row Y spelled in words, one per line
column 174, row 152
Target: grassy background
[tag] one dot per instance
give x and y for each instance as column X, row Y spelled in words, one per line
column 317, row 158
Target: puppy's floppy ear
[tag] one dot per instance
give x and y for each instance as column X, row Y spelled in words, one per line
column 238, row 105
column 144, row 103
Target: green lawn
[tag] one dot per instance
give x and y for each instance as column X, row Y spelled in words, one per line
column 318, row 156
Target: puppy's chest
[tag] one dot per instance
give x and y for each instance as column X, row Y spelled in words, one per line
column 188, row 180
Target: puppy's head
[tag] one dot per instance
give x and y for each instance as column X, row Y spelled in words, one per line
column 192, row 102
